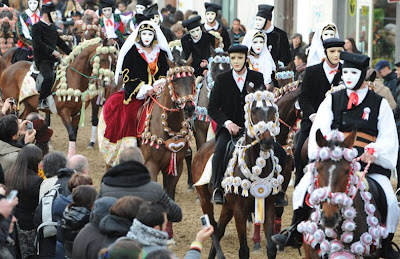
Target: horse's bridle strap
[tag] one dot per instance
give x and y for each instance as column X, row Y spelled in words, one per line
column 362, row 139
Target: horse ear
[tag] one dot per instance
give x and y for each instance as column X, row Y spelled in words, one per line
column 170, row 63
column 350, row 139
column 212, row 51
column 189, row 61
column 321, row 140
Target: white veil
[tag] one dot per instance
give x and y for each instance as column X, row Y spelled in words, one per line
column 317, row 53
column 131, row 40
column 267, row 64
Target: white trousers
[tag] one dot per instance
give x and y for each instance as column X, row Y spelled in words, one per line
column 392, row 219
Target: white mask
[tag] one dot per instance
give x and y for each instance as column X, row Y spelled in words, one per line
column 54, row 16
column 195, row 33
column 33, row 5
column 327, row 34
column 147, row 37
column 259, row 23
column 210, row 17
column 140, row 9
column 107, row 12
column 350, row 77
column 257, row 45
column 156, row 19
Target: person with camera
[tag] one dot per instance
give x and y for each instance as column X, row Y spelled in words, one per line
column 7, row 107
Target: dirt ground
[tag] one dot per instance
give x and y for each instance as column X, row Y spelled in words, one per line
column 185, row 231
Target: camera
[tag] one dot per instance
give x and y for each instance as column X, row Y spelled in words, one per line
column 12, row 101
column 29, row 126
column 205, row 221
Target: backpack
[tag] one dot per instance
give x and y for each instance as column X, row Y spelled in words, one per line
column 46, row 225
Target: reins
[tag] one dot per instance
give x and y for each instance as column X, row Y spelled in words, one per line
column 162, row 106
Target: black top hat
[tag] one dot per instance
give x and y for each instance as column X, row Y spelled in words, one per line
column 48, row 7
column 353, row 60
column 211, row 7
column 192, row 23
column 142, row 17
column 238, row 49
column 107, row 3
column 265, row 11
column 145, row 3
column 333, row 42
column 151, row 10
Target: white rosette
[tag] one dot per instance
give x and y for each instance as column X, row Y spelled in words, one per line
column 245, row 184
column 260, row 190
column 236, row 183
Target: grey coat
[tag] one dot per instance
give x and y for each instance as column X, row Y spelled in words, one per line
column 8, row 155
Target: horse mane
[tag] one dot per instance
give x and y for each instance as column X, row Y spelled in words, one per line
column 280, row 92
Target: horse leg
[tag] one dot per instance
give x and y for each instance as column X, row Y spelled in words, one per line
column 47, row 119
column 67, row 121
column 95, row 122
column 188, row 160
column 269, row 226
column 219, row 231
column 240, row 221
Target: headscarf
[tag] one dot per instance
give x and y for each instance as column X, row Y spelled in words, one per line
column 131, row 40
column 317, row 53
column 267, row 64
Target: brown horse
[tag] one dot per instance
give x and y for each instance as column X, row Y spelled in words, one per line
column 336, row 178
column 72, row 88
column 236, row 205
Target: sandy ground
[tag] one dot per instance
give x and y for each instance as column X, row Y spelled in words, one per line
column 185, row 231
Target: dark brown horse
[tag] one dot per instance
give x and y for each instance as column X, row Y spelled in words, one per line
column 72, row 92
column 336, row 178
column 236, row 205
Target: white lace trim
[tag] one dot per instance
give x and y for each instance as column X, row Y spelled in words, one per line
column 150, row 57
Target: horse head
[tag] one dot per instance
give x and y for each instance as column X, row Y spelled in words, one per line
column 218, row 62
column 177, row 52
column 334, row 167
column 104, row 61
column 261, row 118
column 180, row 81
column 284, row 76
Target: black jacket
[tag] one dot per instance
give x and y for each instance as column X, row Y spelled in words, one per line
column 45, row 40
column 226, row 100
column 89, row 241
column 169, row 35
column 114, row 227
column 224, row 34
column 133, row 178
column 313, row 89
column 63, row 175
column 279, row 42
column 199, row 50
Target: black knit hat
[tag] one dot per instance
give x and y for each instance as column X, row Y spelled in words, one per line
column 265, row 11
column 353, row 60
column 333, row 42
column 211, row 7
column 192, row 23
column 48, row 7
column 151, row 10
column 238, row 49
column 145, row 3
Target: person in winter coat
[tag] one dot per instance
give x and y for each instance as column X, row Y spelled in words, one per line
column 89, row 241
column 131, row 177
column 76, row 215
column 52, row 162
column 10, row 132
column 23, row 177
column 117, row 223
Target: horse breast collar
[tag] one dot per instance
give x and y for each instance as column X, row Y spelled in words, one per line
column 330, row 244
column 260, row 188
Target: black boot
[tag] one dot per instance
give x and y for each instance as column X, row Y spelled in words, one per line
column 387, row 249
column 280, row 200
column 290, row 236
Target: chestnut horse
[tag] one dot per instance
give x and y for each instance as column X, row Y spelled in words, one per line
column 72, row 88
column 342, row 204
column 236, row 205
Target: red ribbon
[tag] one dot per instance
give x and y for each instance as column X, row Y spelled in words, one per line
column 353, row 99
column 240, row 78
column 109, row 22
column 334, row 71
column 36, row 18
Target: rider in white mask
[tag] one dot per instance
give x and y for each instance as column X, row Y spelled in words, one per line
column 324, row 32
column 141, row 5
column 213, row 25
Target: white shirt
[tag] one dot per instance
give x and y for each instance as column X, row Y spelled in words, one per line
column 328, row 70
column 386, row 144
column 240, row 86
column 109, row 28
column 209, row 28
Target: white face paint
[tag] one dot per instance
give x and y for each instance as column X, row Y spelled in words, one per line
column 327, row 34
column 33, row 5
column 54, row 16
column 351, row 76
column 140, row 8
column 257, row 45
column 107, row 12
column 147, row 37
column 210, row 17
column 259, row 23
column 195, row 33
column 156, row 19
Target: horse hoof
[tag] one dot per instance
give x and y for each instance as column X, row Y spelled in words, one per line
column 91, row 145
column 197, row 200
column 171, row 242
column 190, row 188
column 257, row 248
